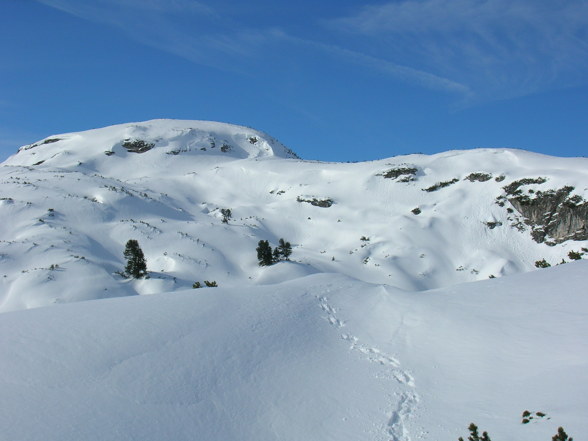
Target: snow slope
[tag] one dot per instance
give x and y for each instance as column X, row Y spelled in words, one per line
column 69, row 203
column 384, row 326
column 323, row 357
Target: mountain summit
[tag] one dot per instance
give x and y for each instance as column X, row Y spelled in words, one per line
column 157, row 141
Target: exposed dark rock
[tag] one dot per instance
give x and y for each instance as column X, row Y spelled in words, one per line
column 478, row 177
column 407, row 173
column 137, row 145
column 47, row 141
column 324, row 203
column 554, row 216
column 493, row 225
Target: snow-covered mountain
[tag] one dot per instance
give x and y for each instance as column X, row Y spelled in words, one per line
column 70, row 203
column 392, row 321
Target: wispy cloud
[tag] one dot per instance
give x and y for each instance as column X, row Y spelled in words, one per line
column 401, row 72
column 476, row 49
column 104, row 9
column 226, row 44
column 498, row 48
column 186, row 28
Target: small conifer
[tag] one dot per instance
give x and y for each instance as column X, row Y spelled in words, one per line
column 136, row 265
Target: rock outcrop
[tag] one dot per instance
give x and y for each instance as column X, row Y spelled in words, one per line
column 554, row 216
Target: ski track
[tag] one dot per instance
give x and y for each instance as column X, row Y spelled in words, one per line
column 407, row 403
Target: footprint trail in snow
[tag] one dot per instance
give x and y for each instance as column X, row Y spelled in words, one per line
column 408, row 400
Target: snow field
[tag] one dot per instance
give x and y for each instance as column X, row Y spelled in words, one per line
column 323, row 357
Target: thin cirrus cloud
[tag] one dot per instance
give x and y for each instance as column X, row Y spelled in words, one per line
column 498, row 48
column 223, row 43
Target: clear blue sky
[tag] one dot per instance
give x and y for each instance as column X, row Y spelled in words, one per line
column 337, row 80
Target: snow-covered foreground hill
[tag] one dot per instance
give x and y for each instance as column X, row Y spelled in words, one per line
column 69, row 203
column 323, row 357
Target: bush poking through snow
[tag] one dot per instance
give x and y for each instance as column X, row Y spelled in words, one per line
column 440, row 185
column 210, row 284
column 406, row 172
column 575, row 255
column 136, row 265
column 478, row 177
column 542, row 263
column 561, row 435
column 474, row 435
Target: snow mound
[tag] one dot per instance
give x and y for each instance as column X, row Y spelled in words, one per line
column 153, row 141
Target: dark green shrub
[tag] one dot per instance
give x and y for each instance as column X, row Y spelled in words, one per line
column 574, row 255
column 561, row 435
column 513, row 188
column 542, row 264
column 196, row 285
column 407, row 172
column 474, row 436
column 440, row 185
column 210, row 284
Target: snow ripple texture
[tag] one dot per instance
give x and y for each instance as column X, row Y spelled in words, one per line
column 407, row 401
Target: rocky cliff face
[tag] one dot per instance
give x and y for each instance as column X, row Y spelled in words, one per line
column 554, row 216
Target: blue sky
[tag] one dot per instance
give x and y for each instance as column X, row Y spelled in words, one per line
column 336, row 80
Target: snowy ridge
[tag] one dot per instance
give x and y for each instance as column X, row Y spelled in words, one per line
column 415, row 222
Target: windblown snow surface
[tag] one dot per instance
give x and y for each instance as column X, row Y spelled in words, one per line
column 384, row 326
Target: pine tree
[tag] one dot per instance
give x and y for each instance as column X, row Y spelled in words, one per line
column 276, row 255
column 226, row 212
column 136, row 265
column 264, row 253
column 284, row 249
